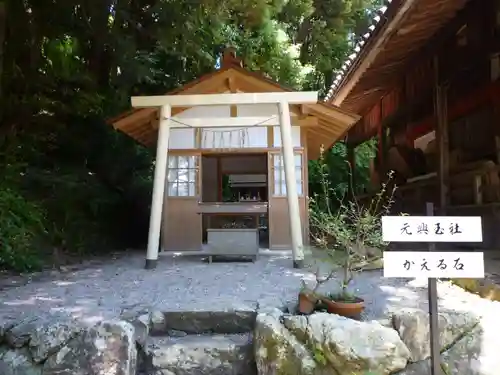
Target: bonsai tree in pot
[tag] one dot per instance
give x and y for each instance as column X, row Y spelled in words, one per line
column 350, row 235
column 309, row 298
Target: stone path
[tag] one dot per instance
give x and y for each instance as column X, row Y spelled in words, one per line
column 187, row 297
column 104, row 291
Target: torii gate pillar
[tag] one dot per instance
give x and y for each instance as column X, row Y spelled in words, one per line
column 159, row 181
column 291, row 185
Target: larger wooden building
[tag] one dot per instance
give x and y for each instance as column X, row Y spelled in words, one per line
column 426, row 82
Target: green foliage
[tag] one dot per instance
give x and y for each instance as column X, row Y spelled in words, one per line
column 334, row 170
column 349, row 232
column 20, row 224
column 54, row 206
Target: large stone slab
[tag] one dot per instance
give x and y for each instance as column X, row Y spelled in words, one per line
column 413, row 328
column 200, row 355
column 278, row 352
column 107, row 348
column 199, row 322
column 474, row 354
column 350, row 346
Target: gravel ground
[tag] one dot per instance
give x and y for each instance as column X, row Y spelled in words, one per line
column 182, row 283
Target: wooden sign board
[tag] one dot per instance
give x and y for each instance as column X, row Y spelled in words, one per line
column 425, row 264
column 432, row 229
column 433, row 264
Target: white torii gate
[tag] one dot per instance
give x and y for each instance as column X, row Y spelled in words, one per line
column 166, row 102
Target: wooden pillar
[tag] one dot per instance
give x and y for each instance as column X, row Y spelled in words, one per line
column 291, row 185
column 159, row 181
column 351, row 160
column 441, row 117
column 382, row 146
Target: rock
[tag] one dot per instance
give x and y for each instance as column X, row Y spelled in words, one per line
column 132, row 312
column 413, row 328
column 141, row 325
column 157, row 323
column 20, row 334
column 200, row 355
column 51, row 334
column 107, row 348
column 44, row 334
column 174, row 333
column 278, row 352
column 6, row 324
column 418, row 368
column 199, row 322
column 351, row 346
column 292, row 307
column 141, row 329
column 17, row 362
column 274, row 312
column 474, row 354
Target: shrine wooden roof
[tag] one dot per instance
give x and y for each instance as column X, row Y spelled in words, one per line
column 332, row 122
column 403, row 29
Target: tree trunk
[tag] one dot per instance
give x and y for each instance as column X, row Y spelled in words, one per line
column 3, row 20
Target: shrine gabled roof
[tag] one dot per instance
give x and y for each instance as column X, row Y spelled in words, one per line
column 332, row 122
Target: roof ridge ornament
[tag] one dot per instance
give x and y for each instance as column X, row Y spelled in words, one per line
column 230, row 58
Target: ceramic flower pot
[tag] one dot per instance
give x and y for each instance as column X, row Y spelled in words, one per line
column 307, row 302
column 349, row 309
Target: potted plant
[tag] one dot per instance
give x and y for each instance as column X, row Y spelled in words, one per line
column 309, row 298
column 350, row 234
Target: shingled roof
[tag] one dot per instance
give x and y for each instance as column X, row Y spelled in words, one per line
column 400, row 29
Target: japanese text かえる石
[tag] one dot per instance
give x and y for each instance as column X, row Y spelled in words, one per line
column 441, row 264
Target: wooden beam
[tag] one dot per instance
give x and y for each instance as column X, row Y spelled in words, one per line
column 351, row 183
column 270, row 137
column 134, row 118
column 233, row 89
column 332, row 113
column 228, row 122
column 317, row 133
column 441, row 111
column 225, row 99
column 248, row 83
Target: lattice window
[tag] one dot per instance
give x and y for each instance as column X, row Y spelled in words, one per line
column 279, row 175
column 182, row 172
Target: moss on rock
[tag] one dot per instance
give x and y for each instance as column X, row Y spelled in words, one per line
column 278, row 352
column 483, row 288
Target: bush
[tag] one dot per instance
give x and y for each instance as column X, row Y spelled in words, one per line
column 350, row 233
column 21, row 225
column 57, row 207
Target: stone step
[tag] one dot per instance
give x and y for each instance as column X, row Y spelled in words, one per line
column 210, row 321
column 217, row 354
